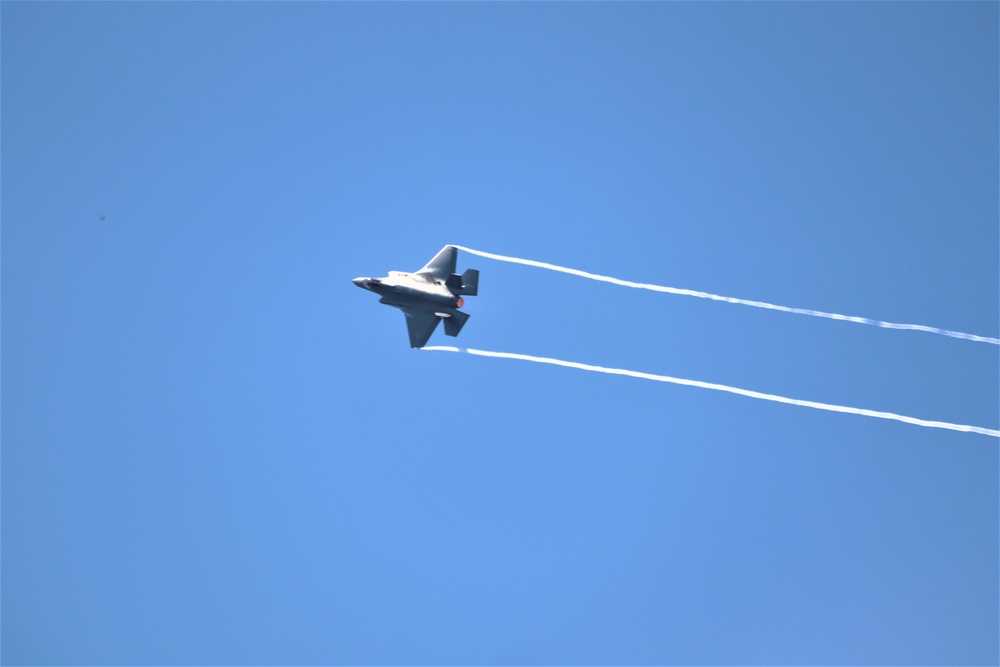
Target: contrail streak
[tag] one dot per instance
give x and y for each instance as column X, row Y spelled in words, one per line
column 721, row 387
column 729, row 299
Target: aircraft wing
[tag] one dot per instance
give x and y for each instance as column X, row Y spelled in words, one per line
column 420, row 324
column 443, row 264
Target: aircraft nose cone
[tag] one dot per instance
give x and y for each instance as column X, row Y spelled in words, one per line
column 359, row 282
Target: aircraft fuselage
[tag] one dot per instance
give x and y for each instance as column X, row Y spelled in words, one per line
column 427, row 296
column 403, row 290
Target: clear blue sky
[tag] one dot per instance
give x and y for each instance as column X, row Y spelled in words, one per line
column 217, row 450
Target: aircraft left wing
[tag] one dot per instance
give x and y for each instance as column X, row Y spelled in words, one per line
column 420, row 324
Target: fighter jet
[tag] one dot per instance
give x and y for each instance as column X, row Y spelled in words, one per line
column 431, row 294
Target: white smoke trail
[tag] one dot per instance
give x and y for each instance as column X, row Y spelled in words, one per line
column 729, row 299
column 722, row 387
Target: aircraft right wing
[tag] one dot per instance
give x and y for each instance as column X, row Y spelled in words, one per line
column 420, row 324
column 443, row 264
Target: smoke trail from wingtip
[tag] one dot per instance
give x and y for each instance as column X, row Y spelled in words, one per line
column 729, row 299
column 721, row 387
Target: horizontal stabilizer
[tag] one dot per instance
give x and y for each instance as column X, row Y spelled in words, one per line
column 454, row 324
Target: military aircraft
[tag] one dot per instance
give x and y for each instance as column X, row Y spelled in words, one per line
column 431, row 294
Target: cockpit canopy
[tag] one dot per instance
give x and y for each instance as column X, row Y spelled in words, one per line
column 367, row 283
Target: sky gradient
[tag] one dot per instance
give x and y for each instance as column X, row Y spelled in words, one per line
column 217, row 450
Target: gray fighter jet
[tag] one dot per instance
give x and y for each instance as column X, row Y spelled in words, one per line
column 431, row 294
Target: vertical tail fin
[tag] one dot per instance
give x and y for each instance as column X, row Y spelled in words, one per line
column 467, row 283
column 470, row 282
